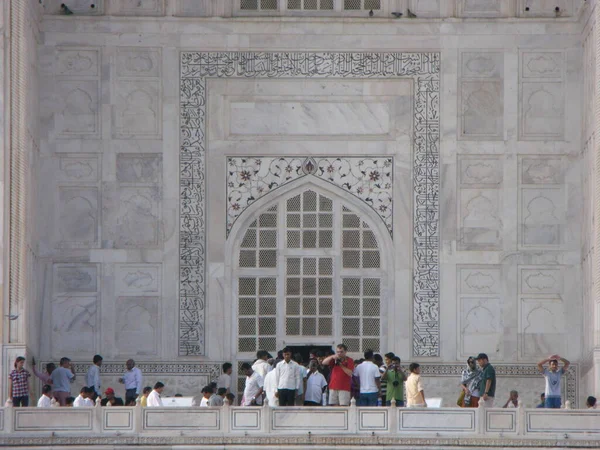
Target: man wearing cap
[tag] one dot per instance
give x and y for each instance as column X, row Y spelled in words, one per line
column 110, row 398
column 487, row 387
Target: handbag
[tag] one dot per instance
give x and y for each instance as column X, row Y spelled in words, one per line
column 461, row 399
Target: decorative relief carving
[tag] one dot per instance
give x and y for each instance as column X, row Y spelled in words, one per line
column 541, row 281
column 480, row 170
column 139, row 168
column 138, row 62
column 78, row 110
column 137, row 327
column 72, row 278
column 480, row 218
column 542, row 100
column 138, row 279
column 543, row 215
column 369, row 179
column 139, row 8
column 77, row 216
column 541, row 170
column 137, row 111
column 481, row 280
column 422, row 67
column 78, row 168
column 74, row 324
column 542, row 327
column 193, row 8
column 481, row 97
column 137, row 223
column 77, row 62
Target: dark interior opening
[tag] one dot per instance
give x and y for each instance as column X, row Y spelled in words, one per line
column 304, row 350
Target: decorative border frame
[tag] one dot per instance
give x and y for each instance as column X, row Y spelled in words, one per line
column 195, row 67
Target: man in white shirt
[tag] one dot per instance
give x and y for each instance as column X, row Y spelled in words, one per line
column 45, row 400
column 206, row 394
column 370, row 381
column 254, row 386
column 315, row 385
column 270, row 388
column 82, row 399
column 287, row 376
column 92, row 378
column 513, row 400
column 224, row 380
column 218, row 398
column 132, row 379
column 154, row 399
column 261, row 365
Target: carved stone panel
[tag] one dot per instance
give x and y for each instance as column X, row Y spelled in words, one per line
column 137, row 326
column 480, row 218
column 137, row 217
column 137, row 110
column 479, row 281
column 542, row 64
column 78, row 168
column 542, row 327
column 77, row 113
column 137, row 62
column 481, row 96
column 139, row 168
column 542, row 217
column 542, row 97
column 138, row 279
column 541, row 170
column 75, row 278
column 479, row 291
column 480, row 8
column 541, row 280
column 77, row 217
column 193, row 8
column 480, row 170
column 74, row 325
column 138, row 7
column 77, row 62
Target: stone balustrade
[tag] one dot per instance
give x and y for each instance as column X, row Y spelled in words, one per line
column 34, row 426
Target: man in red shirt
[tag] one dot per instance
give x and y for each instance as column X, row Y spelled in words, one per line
column 340, row 379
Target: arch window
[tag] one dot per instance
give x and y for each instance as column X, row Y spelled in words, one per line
column 309, row 272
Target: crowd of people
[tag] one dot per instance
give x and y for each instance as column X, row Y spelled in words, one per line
column 327, row 379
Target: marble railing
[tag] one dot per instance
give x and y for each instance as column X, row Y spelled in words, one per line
column 493, row 423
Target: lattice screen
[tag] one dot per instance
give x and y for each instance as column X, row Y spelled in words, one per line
column 257, row 314
column 259, row 246
column 309, row 221
column 359, row 245
column 309, row 296
column 355, row 5
column 310, row 5
column 258, row 5
column 361, row 313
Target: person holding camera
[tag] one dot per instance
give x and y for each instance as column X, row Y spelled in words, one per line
column 342, row 367
column 395, row 378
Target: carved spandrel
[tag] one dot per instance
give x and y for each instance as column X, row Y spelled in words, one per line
column 75, row 278
column 136, row 62
column 77, row 216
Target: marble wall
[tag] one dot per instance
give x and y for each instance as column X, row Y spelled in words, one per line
column 510, row 162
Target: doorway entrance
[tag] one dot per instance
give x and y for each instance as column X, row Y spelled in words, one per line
column 305, row 350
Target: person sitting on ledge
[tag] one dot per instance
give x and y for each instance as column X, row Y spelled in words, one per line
column 69, row 402
column 513, row 400
column 218, row 398
column 110, row 398
column 45, row 400
column 83, row 399
column 144, row 396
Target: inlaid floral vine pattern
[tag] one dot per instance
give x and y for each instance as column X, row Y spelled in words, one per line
column 369, row 179
column 422, row 68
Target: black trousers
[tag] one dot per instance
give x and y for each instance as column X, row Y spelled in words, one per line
column 287, row 397
column 130, row 394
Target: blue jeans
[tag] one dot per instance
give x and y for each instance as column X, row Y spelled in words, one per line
column 552, row 402
column 399, row 403
column 369, row 399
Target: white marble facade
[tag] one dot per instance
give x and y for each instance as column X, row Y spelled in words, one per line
column 479, row 224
